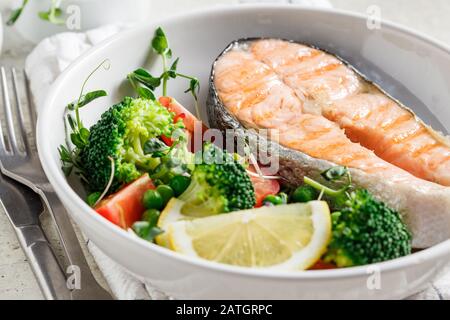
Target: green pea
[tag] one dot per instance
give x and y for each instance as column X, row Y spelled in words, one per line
column 92, row 198
column 145, row 231
column 153, row 200
column 273, row 199
column 166, row 192
column 151, row 216
column 179, row 184
column 304, row 194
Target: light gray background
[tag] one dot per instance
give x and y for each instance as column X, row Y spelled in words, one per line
column 427, row 16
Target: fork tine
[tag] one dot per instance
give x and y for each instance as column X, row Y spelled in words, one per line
column 31, row 106
column 8, row 112
column 19, row 109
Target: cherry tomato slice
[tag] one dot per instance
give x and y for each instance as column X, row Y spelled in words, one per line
column 125, row 207
column 263, row 187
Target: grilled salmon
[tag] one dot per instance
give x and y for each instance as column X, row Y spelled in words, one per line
column 318, row 110
column 368, row 116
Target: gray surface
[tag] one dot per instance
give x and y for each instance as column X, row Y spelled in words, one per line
column 17, row 280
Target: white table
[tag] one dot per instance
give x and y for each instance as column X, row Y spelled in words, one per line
column 17, row 280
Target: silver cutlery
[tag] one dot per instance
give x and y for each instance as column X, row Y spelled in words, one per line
column 19, row 161
column 23, row 207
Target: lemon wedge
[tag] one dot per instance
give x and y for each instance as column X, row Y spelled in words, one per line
column 286, row 237
column 170, row 214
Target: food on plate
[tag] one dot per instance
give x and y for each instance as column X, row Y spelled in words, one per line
column 170, row 214
column 219, row 184
column 123, row 133
column 263, row 187
column 327, row 86
column 365, row 230
column 322, row 113
column 125, row 207
column 329, row 206
column 289, row 237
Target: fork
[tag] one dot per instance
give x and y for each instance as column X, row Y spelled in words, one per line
column 22, row 164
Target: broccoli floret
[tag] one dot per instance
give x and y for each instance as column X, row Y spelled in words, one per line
column 219, row 184
column 120, row 135
column 366, row 231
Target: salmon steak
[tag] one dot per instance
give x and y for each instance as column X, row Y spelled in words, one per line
column 319, row 112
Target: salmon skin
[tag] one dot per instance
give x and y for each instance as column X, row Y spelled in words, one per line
column 323, row 113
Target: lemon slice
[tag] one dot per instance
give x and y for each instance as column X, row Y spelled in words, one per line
column 287, row 237
column 170, row 214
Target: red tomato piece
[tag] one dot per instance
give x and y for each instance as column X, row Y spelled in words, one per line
column 321, row 265
column 263, row 187
column 179, row 117
column 168, row 141
column 125, row 207
column 189, row 120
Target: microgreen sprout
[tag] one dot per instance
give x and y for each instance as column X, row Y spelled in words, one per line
column 144, row 84
column 53, row 15
column 110, row 181
column 78, row 134
column 334, row 174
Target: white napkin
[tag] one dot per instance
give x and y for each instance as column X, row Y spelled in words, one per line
column 44, row 65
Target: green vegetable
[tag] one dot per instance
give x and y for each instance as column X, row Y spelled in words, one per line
column 335, row 173
column 151, row 216
column 86, row 99
column 15, row 14
column 175, row 161
column 121, row 134
column 53, row 15
column 145, row 84
column 147, row 228
column 161, row 45
column 179, row 184
column 219, row 184
column 166, row 193
column 93, row 198
column 304, row 193
column 153, row 200
column 146, row 231
column 365, row 230
column 273, row 199
column 78, row 134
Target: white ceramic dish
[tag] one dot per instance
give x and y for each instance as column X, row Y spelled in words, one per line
column 412, row 67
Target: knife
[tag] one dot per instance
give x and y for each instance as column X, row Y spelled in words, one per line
column 23, row 207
